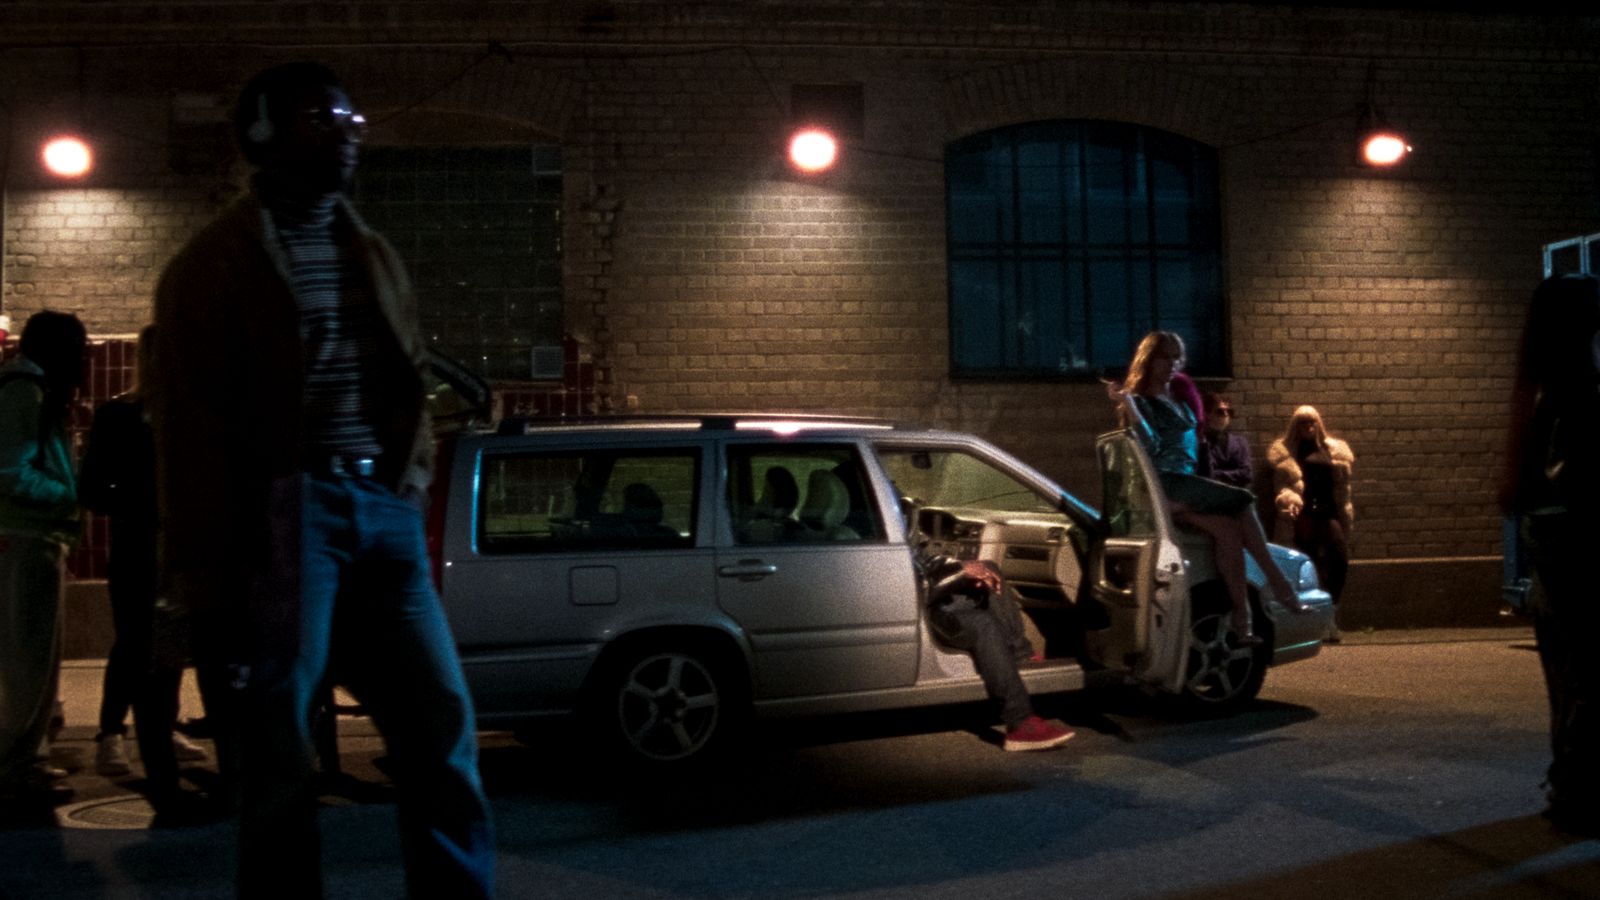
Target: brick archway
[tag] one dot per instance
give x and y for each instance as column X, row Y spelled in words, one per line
column 1159, row 95
column 490, row 87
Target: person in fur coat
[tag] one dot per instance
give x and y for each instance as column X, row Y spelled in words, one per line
column 1311, row 483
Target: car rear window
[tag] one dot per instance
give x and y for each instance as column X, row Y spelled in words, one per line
column 581, row 500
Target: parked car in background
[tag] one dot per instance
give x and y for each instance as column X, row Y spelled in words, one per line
column 669, row 577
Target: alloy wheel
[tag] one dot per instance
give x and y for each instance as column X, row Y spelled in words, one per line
column 669, row 706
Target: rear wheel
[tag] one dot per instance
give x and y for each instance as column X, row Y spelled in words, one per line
column 1222, row 677
column 668, row 706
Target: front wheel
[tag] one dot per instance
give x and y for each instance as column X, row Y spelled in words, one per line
column 1221, row 677
column 667, row 706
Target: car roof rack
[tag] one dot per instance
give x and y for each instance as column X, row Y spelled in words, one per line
column 721, row 421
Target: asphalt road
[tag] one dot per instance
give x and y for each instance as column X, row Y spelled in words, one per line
column 1396, row 765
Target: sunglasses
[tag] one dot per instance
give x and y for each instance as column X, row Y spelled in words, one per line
column 330, row 119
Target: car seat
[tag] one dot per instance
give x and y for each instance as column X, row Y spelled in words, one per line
column 770, row 519
column 643, row 510
column 826, row 507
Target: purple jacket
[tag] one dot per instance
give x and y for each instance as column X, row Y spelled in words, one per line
column 1230, row 459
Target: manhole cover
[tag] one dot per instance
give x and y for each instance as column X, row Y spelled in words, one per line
column 117, row 813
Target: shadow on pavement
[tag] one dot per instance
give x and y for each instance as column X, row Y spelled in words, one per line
column 775, row 775
column 1511, row 858
column 759, row 784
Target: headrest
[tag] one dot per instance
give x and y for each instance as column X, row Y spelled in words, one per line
column 827, row 501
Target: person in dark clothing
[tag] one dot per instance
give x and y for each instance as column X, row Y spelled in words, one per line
column 294, row 454
column 968, row 610
column 1311, row 471
column 117, row 480
column 1228, row 452
column 1552, row 483
column 38, row 524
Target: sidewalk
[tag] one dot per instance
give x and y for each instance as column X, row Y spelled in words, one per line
column 1519, row 632
column 100, row 802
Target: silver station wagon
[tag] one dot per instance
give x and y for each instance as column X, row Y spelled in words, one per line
column 669, row 577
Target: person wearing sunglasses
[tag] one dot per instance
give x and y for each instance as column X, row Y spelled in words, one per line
column 1227, row 451
column 294, row 453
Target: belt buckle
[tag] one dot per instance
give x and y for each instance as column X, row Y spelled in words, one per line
column 352, row 466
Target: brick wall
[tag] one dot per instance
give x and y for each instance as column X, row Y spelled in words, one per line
column 699, row 274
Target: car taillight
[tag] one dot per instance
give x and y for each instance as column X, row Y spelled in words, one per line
column 438, row 496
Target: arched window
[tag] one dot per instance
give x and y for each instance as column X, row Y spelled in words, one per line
column 1069, row 240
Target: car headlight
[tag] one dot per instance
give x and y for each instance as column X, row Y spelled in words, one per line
column 1307, row 579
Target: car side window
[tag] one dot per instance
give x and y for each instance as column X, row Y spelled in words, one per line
column 1127, row 499
column 788, row 493
column 587, row 500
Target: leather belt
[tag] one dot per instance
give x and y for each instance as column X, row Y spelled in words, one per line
column 341, row 466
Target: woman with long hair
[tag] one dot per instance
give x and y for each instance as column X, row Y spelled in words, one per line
column 1166, row 428
column 1311, row 477
column 1553, row 484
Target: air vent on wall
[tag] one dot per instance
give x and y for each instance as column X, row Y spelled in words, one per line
column 549, row 363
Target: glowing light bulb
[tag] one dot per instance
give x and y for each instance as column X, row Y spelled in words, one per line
column 67, row 157
column 813, row 150
column 1384, row 149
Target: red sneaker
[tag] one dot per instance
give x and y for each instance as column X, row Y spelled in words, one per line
column 1036, row 734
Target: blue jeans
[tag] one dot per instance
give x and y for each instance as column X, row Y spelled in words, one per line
column 366, row 596
column 994, row 634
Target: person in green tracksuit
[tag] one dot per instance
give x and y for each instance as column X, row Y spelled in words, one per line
column 38, row 523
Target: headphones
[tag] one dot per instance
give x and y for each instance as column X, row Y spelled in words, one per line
column 260, row 131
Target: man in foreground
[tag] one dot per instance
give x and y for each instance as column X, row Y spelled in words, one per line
column 294, row 454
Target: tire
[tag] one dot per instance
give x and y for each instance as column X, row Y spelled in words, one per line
column 1220, row 677
column 667, row 706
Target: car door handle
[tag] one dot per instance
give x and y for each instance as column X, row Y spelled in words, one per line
column 748, row 570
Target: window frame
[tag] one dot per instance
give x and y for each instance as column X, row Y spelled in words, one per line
column 1204, row 250
column 505, row 321
column 491, row 546
column 740, row 482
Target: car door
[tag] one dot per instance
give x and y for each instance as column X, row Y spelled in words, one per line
column 570, row 543
column 825, row 596
column 1137, row 570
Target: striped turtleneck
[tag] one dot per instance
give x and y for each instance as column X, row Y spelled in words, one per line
column 339, row 323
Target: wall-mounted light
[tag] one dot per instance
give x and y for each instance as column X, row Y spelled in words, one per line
column 67, row 156
column 1378, row 143
column 813, row 150
column 822, row 119
column 1381, row 144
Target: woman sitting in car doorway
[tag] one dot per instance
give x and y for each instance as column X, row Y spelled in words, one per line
column 1167, row 430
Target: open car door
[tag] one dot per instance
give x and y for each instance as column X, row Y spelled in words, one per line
column 1137, row 572
column 457, row 398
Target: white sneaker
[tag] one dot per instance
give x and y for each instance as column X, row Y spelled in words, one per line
column 188, row 751
column 110, row 759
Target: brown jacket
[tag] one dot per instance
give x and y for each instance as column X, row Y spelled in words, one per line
column 1288, row 486
column 226, row 403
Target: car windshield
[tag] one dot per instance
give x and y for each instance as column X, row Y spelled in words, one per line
column 956, row 479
